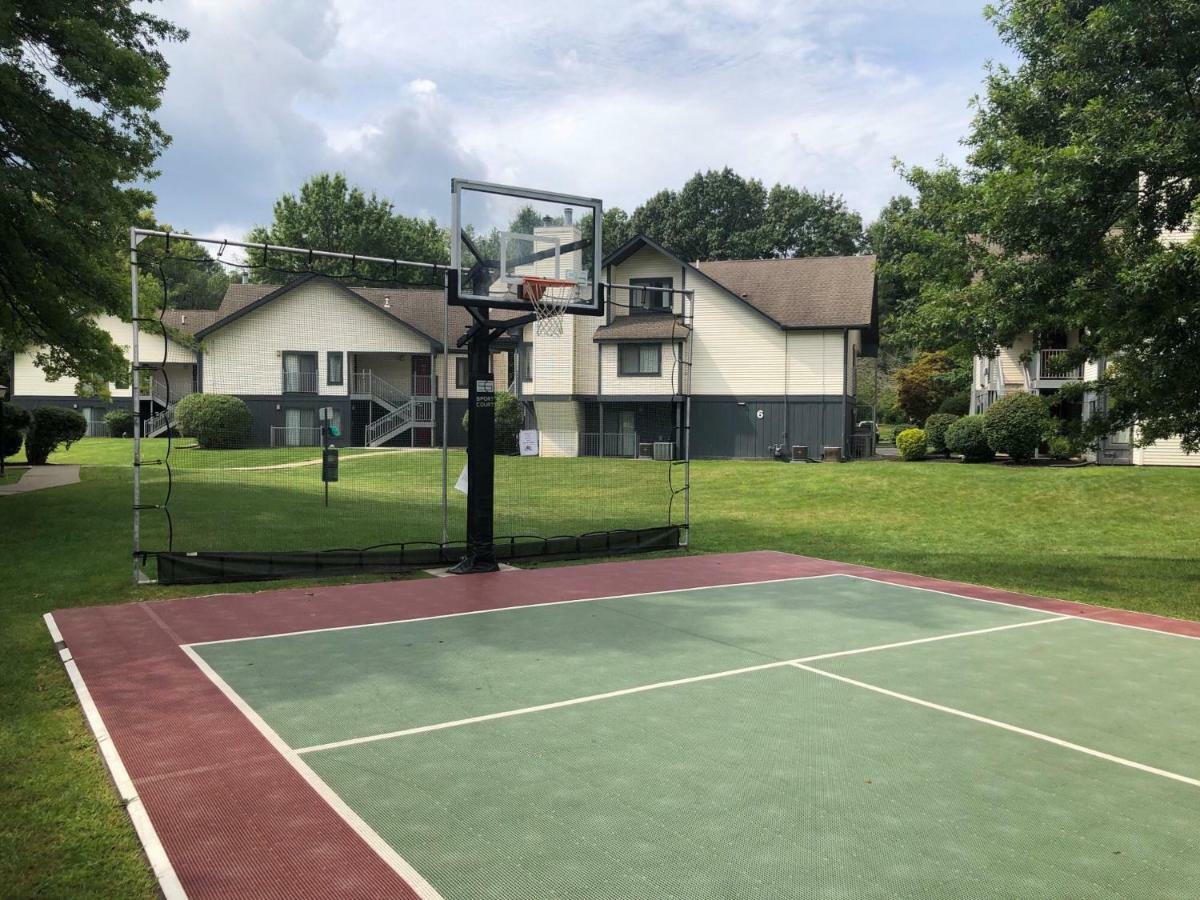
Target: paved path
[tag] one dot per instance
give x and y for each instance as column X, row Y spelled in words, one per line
column 37, row 478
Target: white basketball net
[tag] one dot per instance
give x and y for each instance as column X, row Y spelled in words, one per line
column 549, row 299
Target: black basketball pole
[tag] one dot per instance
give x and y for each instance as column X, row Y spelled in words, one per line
column 481, row 455
column 481, row 438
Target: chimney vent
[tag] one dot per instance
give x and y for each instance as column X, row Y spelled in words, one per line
column 568, row 215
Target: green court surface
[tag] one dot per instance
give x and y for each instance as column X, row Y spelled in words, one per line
column 830, row 736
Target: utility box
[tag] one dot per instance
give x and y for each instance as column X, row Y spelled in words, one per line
column 329, row 464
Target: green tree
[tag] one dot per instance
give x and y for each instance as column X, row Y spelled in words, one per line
column 1081, row 158
column 923, row 385
column 328, row 213
column 79, row 83
column 800, row 223
column 721, row 215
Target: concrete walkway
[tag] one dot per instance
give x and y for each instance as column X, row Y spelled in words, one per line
column 38, row 478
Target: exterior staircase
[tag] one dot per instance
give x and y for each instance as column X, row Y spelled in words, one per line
column 403, row 411
column 164, row 418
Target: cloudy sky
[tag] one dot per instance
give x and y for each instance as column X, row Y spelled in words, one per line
column 615, row 100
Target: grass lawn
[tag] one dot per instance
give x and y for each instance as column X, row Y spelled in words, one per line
column 1121, row 537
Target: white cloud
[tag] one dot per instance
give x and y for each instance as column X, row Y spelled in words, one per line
column 616, row 100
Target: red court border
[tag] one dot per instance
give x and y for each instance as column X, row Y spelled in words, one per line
column 234, row 817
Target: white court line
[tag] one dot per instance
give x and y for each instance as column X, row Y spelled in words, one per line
column 423, row 888
column 480, row 612
column 1021, row 606
column 1016, row 729
column 160, row 864
column 608, row 695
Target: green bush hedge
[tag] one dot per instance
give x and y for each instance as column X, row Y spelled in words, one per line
column 510, row 419
column 120, row 423
column 935, row 431
column 1015, row 425
column 52, row 426
column 956, row 404
column 911, row 444
column 1061, row 447
column 965, row 437
column 16, row 421
column 216, row 421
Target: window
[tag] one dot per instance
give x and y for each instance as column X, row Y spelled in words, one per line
column 333, row 367
column 299, row 373
column 647, row 300
column 527, row 362
column 460, row 372
column 639, row 359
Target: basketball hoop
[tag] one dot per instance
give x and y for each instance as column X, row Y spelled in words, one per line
column 550, row 298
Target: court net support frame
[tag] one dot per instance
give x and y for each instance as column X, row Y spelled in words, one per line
column 482, row 550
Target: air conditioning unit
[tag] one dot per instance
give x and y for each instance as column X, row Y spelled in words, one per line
column 799, row 452
column 664, row 451
column 645, row 451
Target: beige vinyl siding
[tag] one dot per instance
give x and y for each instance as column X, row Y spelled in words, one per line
column 245, row 356
column 645, row 263
column 617, row 385
column 1165, row 453
column 1010, row 359
column 559, row 425
column 736, row 350
column 815, row 363
column 30, row 381
column 554, row 359
column 587, row 355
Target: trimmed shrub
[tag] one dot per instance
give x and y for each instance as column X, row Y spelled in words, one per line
column 1060, row 446
column 935, row 431
column 120, row 423
column 52, row 426
column 216, row 421
column 16, row 421
column 956, row 404
column 965, row 437
column 911, row 444
column 510, row 419
column 1015, row 425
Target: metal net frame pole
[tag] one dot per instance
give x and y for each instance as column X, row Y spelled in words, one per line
column 689, row 300
column 136, row 236
column 139, row 576
column 445, row 415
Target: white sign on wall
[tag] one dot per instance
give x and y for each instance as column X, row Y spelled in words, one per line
column 528, row 442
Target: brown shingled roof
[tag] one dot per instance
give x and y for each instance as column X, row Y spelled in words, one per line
column 648, row 327
column 419, row 308
column 810, row 292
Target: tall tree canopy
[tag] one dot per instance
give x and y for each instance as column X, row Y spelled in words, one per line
column 1082, row 159
column 79, row 82
column 721, row 215
column 328, row 213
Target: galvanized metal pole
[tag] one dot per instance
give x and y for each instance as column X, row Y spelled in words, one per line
column 136, row 397
column 445, row 415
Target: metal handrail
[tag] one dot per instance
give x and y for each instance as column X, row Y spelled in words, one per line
column 159, row 422
column 296, row 436
column 299, row 382
column 390, row 425
column 1050, row 370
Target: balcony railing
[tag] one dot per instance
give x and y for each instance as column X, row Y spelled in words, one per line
column 295, row 436
column 1051, row 367
column 612, row 444
column 299, row 382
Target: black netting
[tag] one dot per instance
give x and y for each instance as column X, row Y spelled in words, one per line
column 301, row 416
